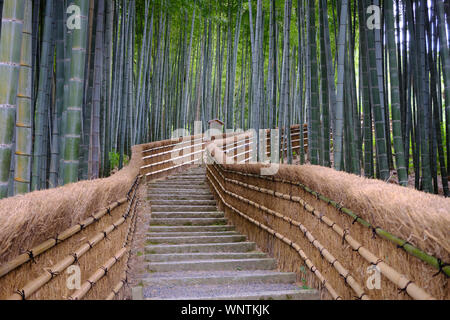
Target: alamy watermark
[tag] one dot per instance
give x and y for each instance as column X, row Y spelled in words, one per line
column 374, row 17
column 374, row 280
column 73, row 281
column 73, row 17
column 238, row 154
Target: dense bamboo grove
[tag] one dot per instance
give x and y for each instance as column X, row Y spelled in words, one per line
column 83, row 80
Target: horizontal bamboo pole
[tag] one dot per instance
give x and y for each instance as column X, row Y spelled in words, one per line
column 31, row 254
column 34, row 285
column 171, row 160
column 116, row 290
column 175, row 141
column 171, row 168
column 294, row 245
column 172, row 151
column 400, row 280
column 405, row 245
column 99, row 274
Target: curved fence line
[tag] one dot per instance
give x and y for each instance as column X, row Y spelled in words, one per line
column 401, row 281
column 289, row 242
column 403, row 244
column 220, row 159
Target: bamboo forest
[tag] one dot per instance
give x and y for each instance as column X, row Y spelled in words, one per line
column 82, row 81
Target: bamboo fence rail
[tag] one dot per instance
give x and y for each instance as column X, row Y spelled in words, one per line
column 100, row 273
column 116, row 290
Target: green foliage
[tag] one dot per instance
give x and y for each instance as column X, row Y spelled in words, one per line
column 114, row 158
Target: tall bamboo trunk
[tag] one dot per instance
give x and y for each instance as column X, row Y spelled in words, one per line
column 338, row 138
column 76, row 88
column 10, row 54
column 24, row 119
column 94, row 150
column 395, row 95
column 42, row 100
column 59, row 99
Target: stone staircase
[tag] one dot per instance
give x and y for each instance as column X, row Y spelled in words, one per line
column 193, row 253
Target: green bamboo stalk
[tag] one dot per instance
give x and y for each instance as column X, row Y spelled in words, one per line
column 94, row 150
column 59, row 99
column 313, row 139
column 76, row 87
column 395, row 95
column 41, row 102
column 10, row 56
column 366, row 100
column 424, row 112
column 24, row 118
column 377, row 103
column 324, row 86
column 445, row 59
column 338, row 141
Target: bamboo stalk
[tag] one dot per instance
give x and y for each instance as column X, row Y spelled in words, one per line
column 10, row 54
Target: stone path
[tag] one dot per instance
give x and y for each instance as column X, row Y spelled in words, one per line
column 193, row 253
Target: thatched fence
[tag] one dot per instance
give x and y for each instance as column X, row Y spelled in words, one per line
column 87, row 225
column 337, row 231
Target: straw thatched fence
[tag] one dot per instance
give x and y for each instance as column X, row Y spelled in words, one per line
column 337, row 230
column 89, row 224
column 329, row 227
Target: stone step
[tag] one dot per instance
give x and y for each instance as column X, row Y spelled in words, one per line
column 198, row 248
column 191, row 228
column 218, row 278
column 202, row 180
column 198, row 239
column 182, row 208
column 192, row 253
column 184, row 202
column 214, row 214
column 194, row 182
column 188, row 221
column 187, row 196
column 208, row 265
column 190, row 186
column 203, row 256
column 170, row 191
column 187, row 177
column 194, row 234
column 191, row 172
column 295, row 294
